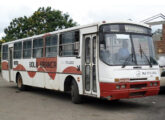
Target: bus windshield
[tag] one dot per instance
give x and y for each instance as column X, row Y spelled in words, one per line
column 127, row 49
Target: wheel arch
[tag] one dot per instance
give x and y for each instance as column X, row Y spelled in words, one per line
column 68, row 83
column 163, row 74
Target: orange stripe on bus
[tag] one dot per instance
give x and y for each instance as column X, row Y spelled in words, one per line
column 72, row 70
column 19, row 68
column 31, row 73
column 5, row 66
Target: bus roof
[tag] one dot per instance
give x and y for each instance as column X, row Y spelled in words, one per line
column 78, row 27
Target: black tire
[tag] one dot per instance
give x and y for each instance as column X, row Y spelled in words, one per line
column 20, row 83
column 117, row 100
column 76, row 98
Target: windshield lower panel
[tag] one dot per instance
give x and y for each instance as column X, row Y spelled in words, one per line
column 127, row 49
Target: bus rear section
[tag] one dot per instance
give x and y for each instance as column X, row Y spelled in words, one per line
column 127, row 65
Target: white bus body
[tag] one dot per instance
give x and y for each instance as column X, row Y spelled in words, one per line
column 54, row 60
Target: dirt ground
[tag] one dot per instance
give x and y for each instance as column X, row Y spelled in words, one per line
column 41, row 104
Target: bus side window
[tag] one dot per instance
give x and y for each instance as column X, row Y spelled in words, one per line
column 27, row 45
column 38, row 48
column 69, row 44
column 5, row 52
column 17, row 50
column 51, row 46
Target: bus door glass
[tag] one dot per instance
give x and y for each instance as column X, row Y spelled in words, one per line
column 10, row 63
column 90, row 64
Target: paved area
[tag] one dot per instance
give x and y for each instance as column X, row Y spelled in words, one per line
column 40, row 104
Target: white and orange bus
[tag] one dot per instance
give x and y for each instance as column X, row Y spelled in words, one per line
column 113, row 60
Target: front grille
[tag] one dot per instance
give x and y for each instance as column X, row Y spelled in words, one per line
column 138, row 86
column 138, row 93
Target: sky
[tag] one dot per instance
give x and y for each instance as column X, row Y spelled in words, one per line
column 83, row 11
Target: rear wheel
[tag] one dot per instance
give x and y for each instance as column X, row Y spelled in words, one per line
column 76, row 98
column 20, row 83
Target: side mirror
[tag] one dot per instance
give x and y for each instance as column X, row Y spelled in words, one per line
column 152, row 34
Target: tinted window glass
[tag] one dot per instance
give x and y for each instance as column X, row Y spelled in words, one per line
column 27, row 49
column 51, row 40
column 51, row 46
column 38, row 48
column 69, row 37
column 87, row 50
column 125, row 28
column 37, row 43
column 69, row 43
column 17, row 50
column 5, row 52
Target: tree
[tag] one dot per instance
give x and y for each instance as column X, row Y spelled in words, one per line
column 42, row 21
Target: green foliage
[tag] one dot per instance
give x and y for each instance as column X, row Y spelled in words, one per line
column 42, row 21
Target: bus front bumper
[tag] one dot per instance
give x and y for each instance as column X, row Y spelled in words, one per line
column 131, row 90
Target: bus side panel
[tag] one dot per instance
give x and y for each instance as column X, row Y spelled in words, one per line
column 78, row 79
column 38, row 80
column 52, row 81
column 27, row 80
column 22, row 66
column 5, row 75
column 5, row 70
column 46, row 69
column 70, row 66
column 14, row 75
column 35, row 73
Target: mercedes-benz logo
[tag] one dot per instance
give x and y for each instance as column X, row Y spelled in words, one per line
column 138, row 73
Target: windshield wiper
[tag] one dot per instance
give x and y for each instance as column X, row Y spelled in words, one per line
column 142, row 52
column 153, row 60
column 127, row 60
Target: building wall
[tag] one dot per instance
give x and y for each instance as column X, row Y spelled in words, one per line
column 160, row 44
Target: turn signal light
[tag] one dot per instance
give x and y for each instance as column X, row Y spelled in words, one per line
column 116, row 80
column 157, row 78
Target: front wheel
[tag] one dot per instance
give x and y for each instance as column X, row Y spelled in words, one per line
column 76, row 98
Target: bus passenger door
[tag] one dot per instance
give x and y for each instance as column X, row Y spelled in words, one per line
column 90, row 64
column 10, row 64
